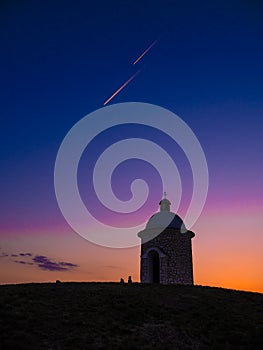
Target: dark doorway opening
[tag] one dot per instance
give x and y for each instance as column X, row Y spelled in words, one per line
column 154, row 261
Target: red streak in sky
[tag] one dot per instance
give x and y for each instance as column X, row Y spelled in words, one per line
column 145, row 52
column 122, row 87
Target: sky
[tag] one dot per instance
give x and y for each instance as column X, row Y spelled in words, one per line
column 61, row 60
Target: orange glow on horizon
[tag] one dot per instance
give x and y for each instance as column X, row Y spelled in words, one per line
column 227, row 253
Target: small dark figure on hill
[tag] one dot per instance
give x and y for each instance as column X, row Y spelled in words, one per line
column 129, row 279
column 121, row 281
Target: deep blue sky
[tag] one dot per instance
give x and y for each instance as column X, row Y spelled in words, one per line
column 61, row 60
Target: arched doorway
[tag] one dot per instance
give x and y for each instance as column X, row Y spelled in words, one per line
column 154, row 266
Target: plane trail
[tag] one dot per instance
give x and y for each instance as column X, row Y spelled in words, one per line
column 122, row 87
column 145, row 52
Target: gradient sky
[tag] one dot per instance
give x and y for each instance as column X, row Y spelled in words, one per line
column 60, row 60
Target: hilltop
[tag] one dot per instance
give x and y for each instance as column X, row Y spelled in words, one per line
column 111, row 315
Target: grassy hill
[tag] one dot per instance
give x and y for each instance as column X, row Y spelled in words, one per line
column 113, row 316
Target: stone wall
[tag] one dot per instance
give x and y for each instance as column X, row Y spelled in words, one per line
column 175, row 254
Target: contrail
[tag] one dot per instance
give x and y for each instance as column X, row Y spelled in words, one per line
column 122, row 87
column 145, row 52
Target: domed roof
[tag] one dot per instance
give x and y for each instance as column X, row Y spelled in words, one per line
column 165, row 219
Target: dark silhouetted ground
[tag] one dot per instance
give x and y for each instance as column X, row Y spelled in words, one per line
column 114, row 316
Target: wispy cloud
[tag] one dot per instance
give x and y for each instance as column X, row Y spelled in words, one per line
column 23, row 262
column 45, row 263
column 25, row 254
column 41, row 261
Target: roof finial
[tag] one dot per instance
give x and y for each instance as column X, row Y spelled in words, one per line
column 165, row 203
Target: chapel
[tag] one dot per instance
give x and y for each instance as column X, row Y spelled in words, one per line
column 166, row 248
